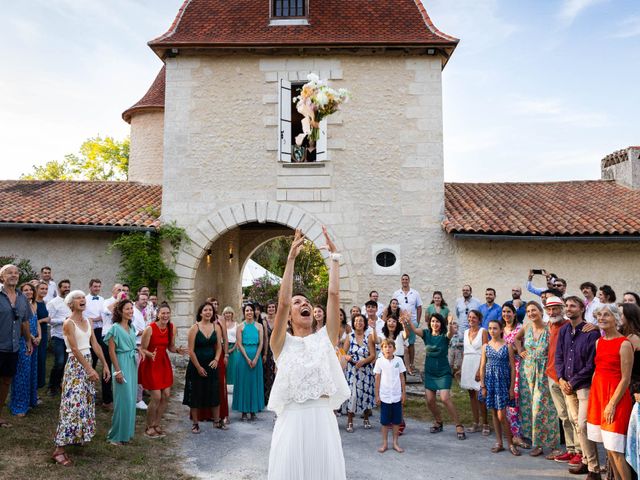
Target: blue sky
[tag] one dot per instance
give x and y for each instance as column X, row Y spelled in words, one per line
column 537, row 90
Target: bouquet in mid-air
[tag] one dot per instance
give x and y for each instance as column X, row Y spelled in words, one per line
column 315, row 102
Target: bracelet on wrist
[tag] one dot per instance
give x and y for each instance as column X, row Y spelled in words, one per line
column 336, row 257
column 115, row 374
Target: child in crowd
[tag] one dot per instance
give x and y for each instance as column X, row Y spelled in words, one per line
column 497, row 381
column 390, row 392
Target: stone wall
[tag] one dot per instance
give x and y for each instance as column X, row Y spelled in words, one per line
column 145, row 156
column 78, row 256
column 382, row 183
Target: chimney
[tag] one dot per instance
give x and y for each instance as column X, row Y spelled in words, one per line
column 623, row 166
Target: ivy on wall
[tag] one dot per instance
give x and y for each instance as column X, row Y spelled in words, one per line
column 147, row 259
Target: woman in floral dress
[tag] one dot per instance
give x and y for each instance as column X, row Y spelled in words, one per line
column 361, row 352
column 77, row 423
column 511, row 329
column 539, row 417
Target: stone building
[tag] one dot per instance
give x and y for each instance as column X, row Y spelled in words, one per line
column 210, row 148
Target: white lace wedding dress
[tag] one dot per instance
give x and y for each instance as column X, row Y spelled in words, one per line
column 309, row 385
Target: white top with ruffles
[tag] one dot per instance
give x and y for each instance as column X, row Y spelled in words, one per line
column 308, row 369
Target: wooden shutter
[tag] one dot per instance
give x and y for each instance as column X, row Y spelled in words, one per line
column 321, row 144
column 284, row 130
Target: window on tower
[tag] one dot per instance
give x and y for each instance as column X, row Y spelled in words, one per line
column 289, row 8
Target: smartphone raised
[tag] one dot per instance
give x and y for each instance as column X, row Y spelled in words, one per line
column 537, row 271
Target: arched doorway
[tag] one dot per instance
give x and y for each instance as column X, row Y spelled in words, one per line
column 221, row 243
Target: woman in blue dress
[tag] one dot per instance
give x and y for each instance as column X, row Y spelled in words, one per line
column 248, row 389
column 24, row 388
column 497, row 383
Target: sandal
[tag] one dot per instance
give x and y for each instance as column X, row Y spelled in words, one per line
column 220, row 424
column 160, row 433
column 253, row 417
column 522, row 444
column 153, row 434
column 244, row 417
column 514, row 451
column 474, row 428
column 61, row 459
column 350, row 427
column 460, row 432
column 498, row 447
column 366, row 424
column 486, row 430
column 195, row 428
column 436, row 427
column 536, row 452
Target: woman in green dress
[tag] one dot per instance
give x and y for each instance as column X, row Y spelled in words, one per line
column 121, row 339
column 248, row 390
column 438, row 305
column 201, row 389
column 437, row 371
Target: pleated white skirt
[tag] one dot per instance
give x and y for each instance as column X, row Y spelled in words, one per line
column 306, row 443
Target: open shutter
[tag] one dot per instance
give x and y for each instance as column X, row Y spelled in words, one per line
column 284, row 130
column 321, row 144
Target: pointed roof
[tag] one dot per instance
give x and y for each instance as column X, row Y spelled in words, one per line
column 152, row 100
column 331, row 24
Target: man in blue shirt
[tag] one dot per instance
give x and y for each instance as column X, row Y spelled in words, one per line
column 551, row 282
column 574, row 362
column 490, row 310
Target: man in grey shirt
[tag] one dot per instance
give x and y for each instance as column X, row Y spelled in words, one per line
column 14, row 322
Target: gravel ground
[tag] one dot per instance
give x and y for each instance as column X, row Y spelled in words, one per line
column 242, row 452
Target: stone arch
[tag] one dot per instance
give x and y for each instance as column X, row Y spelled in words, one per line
column 228, row 218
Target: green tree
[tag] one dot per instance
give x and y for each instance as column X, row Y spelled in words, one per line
column 311, row 275
column 98, row 159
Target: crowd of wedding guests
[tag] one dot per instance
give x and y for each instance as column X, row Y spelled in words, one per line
column 563, row 362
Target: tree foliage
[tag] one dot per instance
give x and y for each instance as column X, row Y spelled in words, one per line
column 27, row 272
column 311, row 276
column 144, row 262
column 98, row 159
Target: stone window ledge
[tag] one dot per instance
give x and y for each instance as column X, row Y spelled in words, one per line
column 303, row 164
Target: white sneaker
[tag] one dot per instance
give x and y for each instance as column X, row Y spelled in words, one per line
column 141, row 405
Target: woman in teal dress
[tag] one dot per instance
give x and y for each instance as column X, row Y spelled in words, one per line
column 248, row 390
column 438, row 305
column 121, row 340
column 437, row 371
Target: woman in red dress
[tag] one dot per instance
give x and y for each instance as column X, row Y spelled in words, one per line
column 609, row 399
column 155, row 373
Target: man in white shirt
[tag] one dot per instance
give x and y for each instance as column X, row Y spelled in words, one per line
column 45, row 276
column 409, row 301
column 373, row 296
column 58, row 313
column 139, row 324
column 591, row 302
column 93, row 313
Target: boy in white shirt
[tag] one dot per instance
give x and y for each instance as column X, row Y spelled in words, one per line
column 390, row 392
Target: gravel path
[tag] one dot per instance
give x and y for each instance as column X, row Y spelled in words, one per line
column 242, row 452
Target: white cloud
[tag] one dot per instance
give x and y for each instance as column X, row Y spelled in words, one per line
column 628, row 28
column 572, row 8
column 556, row 111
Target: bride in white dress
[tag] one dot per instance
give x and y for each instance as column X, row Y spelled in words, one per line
column 309, row 383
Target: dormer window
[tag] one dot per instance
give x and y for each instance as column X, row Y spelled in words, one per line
column 289, row 12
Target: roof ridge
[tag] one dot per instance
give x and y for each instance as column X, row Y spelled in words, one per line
column 431, row 26
column 542, row 182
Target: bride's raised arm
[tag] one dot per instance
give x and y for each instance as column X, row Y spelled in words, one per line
column 284, row 297
column 333, row 300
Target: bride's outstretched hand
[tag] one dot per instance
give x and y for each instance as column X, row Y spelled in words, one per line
column 296, row 245
column 330, row 246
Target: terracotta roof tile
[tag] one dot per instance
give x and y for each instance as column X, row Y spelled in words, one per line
column 229, row 23
column 124, row 204
column 152, row 100
column 591, row 207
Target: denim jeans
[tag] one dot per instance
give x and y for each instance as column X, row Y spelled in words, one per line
column 59, row 361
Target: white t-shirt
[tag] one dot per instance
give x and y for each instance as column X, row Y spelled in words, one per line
column 390, row 383
column 107, row 315
column 409, row 301
column 58, row 313
column 138, row 323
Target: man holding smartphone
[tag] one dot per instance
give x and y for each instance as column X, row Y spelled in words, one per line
column 551, row 281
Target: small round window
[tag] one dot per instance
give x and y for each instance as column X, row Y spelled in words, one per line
column 386, row 259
